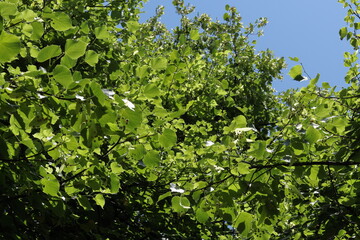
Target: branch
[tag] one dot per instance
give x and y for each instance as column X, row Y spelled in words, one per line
column 300, row 164
column 32, row 156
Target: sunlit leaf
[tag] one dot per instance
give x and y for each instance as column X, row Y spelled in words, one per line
column 201, row 215
column 100, row 200
column 63, row 75
column 75, row 48
column 9, row 47
column 48, row 52
column 152, row 159
column 168, row 138
column 51, row 185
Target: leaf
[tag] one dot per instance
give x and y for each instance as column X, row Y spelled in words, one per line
column 343, row 32
column 101, row 32
column 100, row 200
column 38, row 30
column 84, row 202
column 180, row 204
column 243, row 168
column 194, row 35
column 163, row 196
column 51, row 185
column 133, row 117
column 63, row 75
column 159, row 63
column 168, row 138
column 312, row 135
column 91, row 58
column 258, row 149
column 114, row 183
column 152, row 159
column 201, row 215
column 9, row 47
column 75, row 48
column 151, row 91
column 244, row 223
column 97, row 92
column 142, row 71
column 296, row 73
column 48, row 52
column 7, row 9
column 295, row 59
column 60, row 21
column 132, row 26
column 116, row 168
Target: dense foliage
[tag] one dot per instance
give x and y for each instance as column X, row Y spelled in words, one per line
column 115, row 129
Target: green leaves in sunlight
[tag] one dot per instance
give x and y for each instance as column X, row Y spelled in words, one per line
column 152, row 159
column 312, row 135
column 63, row 75
column 296, row 73
column 180, row 204
column 9, row 47
column 168, row 138
column 51, row 185
column 48, row 52
column 116, row 128
column 75, row 48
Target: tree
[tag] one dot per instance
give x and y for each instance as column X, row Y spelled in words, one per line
column 115, row 129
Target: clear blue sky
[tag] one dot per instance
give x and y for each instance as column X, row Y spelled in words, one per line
column 307, row 29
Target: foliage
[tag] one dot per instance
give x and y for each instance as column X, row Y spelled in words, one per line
column 116, row 129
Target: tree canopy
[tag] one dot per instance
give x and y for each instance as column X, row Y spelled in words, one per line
column 116, row 129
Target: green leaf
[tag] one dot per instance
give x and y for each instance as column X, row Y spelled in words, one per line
column 75, row 48
column 201, row 215
column 243, row 168
column 9, row 47
column 152, row 159
column 48, row 52
column 38, row 30
column 343, row 32
column 114, row 183
column 138, row 152
column 91, row 58
column 132, row 26
column 168, row 138
column 151, row 91
column 142, row 71
column 159, row 63
column 84, row 202
column 51, row 185
column 68, row 62
column 101, row 32
column 63, row 75
column 244, row 223
column 194, row 35
column 163, row 196
column 296, row 73
column 60, row 21
column 97, row 92
column 312, row 135
column 7, row 9
column 134, row 118
column 295, row 59
column 180, row 204
column 116, row 168
column 100, row 200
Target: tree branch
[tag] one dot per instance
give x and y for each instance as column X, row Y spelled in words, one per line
column 300, row 164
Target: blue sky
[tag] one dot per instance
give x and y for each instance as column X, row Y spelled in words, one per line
column 307, row 29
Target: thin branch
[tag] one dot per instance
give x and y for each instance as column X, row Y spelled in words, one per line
column 300, row 164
